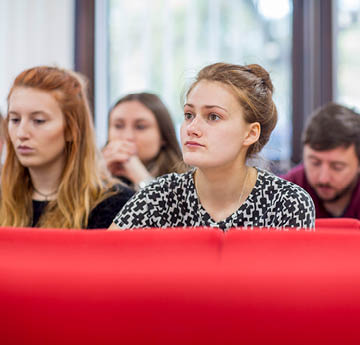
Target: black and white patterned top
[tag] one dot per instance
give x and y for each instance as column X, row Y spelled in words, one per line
column 172, row 201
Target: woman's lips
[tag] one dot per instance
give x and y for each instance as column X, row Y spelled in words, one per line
column 24, row 150
column 193, row 144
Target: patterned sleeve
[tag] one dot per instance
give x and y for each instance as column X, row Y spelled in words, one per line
column 297, row 209
column 143, row 210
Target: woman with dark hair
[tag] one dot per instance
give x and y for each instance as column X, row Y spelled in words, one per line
column 142, row 143
column 229, row 115
column 53, row 176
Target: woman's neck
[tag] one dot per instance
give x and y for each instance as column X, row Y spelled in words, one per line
column 221, row 192
column 45, row 182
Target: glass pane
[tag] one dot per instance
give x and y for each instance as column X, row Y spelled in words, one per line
column 159, row 45
column 348, row 52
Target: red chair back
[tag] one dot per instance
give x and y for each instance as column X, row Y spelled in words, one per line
column 337, row 224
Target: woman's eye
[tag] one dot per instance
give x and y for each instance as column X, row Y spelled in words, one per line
column 214, row 117
column 141, row 127
column 39, row 121
column 118, row 126
column 188, row 116
column 14, row 120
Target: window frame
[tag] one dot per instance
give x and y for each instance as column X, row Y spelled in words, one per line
column 312, row 60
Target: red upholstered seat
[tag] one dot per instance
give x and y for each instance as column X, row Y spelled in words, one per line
column 179, row 286
column 295, row 287
column 101, row 244
column 337, row 224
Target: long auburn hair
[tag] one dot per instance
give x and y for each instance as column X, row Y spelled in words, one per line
column 169, row 158
column 84, row 181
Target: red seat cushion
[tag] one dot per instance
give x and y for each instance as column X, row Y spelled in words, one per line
column 337, row 224
column 179, row 286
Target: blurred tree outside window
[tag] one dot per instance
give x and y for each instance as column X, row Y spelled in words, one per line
column 159, row 45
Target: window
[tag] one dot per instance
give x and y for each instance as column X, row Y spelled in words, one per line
column 348, row 52
column 33, row 33
column 159, row 45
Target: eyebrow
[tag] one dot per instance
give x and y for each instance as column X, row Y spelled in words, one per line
column 139, row 119
column 337, row 163
column 37, row 112
column 206, row 106
column 331, row 162
column 313, row 157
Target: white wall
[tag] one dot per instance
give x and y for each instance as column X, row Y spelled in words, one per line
column 34, row 32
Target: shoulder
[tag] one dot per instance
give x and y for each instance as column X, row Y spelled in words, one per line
column 104, row 212
column 296, row 174
column 153, row 204
column 280, row 186
column 293, row 205
column 121, row 191
column 171, row 182
column 355, row 199
column 121, row 194
column 175, row 178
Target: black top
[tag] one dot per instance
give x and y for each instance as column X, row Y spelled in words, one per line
column 101, row 216
column 172, row 201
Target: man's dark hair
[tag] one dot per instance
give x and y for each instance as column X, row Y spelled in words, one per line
column 332, row 126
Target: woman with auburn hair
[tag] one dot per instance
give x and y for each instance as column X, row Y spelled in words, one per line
column 53, row 176
column 142, row 143
column 229, row 115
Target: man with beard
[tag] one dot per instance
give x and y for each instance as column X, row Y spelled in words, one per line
column 331, row 162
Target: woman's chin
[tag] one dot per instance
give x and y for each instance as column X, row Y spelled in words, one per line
column 196, row 163
column 190, row 160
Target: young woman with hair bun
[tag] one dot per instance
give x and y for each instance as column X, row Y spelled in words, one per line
column 229, row 115
column 53, row 176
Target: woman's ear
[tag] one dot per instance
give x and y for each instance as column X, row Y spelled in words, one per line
column 253, row 134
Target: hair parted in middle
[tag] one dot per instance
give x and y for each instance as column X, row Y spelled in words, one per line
column 84, row 181
column 169, row 159
column 253, row 88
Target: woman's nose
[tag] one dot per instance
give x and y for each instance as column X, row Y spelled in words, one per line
column 22, row 129
column 194, row 127
column 129, row 134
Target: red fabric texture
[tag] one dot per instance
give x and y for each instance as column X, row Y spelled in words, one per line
column 337, row 224
column 179, row 286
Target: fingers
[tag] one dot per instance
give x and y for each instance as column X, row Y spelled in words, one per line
column 120, row 146
column 120, row 157
column 118, row 151
column 136, row 170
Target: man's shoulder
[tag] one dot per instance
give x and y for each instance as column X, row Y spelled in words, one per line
column 296, row 175
column 354, row 205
